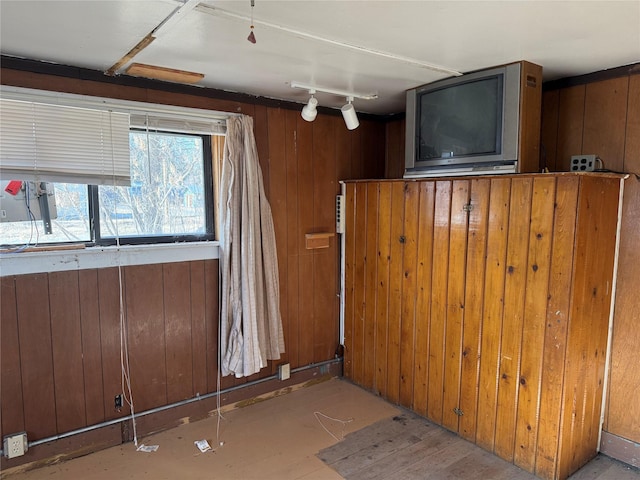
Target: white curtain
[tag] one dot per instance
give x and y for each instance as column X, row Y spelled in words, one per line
column 250, row 323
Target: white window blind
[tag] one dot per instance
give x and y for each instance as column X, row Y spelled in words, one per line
column 59, row 143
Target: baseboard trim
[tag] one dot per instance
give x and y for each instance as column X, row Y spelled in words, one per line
column 621, row 449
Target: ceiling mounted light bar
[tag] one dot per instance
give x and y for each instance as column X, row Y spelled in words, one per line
column 309, row 111
column 341, row 93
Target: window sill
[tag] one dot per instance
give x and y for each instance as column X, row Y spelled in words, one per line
column 104, row 257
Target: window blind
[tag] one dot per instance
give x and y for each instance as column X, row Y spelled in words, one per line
column 59, row 143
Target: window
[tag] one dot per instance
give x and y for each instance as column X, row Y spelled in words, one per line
column 170, row 189
column 170, row 199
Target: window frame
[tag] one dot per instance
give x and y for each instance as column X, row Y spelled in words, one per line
column 209, row 203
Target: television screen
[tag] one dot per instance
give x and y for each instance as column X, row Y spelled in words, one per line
column 461, row 120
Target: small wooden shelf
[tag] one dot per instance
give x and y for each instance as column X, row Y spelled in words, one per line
column 317, row 240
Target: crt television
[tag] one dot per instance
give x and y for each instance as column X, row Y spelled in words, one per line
column 464, row 125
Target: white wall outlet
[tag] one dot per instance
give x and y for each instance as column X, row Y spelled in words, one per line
column 583, row 163
column 15, row 445
column 284, row 371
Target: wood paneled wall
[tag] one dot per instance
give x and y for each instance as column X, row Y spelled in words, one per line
column 602, row 117
column 60, row 331
column 482, row 305
column 61, row 364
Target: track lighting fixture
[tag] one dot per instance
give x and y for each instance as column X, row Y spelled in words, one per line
column 349, row 115
column 309, row 111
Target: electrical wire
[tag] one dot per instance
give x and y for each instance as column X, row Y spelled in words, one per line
column 343, row 422
column 125, row 369
column 218, row 386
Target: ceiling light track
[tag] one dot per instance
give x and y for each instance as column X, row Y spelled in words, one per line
column 309, row 111
column 212, row 10
column 333, row 91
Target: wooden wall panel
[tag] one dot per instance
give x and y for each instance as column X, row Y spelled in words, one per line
column 109, row 303
column 549, row 130
column 305, row 225
column 212, row 313
column 474, row 306
column 409, row 283
column 383, row 286
column 458, row 233
column 325, row 265
column 423, row 300
column 605, row 116
column 632, row 138
column 535, row 310
column 326, row 303
column 395, row 291
column 293, row 238
column 514, row 294
column 34, row 326
column 66, row 343
column 555, row 343
column 260, row 115
column 570, row 126
column 370, row 285
column 91, row 351
column 623, row 413
column 587, row 329
column 198, row 327
column 146, row 335
column 373, row 148
column 357, row 345
column 177, row 330
column 395, row 145
column 439, row 282
column 11, row 400
column 499, row 204
column 350, row 299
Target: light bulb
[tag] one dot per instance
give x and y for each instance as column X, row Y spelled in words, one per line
column 309, row 111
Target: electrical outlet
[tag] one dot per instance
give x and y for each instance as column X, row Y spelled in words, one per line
column 583, row 163
column 117, row 402
column 284, row 371
column 15, row 445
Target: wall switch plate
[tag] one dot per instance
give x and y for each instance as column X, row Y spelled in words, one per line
column 583, row 163
column 15, row 445
column 284, row 371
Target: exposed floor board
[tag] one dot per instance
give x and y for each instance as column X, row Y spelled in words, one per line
column 409, row 447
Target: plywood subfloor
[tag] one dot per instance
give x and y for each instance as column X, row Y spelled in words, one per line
column 278, row 438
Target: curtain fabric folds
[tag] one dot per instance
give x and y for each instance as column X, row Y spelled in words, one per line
column 250, row 321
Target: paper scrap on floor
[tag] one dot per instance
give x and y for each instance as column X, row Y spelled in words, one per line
column 147, row 448
column 202, row 445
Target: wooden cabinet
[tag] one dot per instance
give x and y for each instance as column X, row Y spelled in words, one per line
column 483, row 304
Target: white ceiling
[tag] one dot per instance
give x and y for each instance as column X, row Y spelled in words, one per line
column 381, row 47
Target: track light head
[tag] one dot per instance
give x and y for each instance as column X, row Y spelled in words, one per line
column 349, row 115
column 309, row 111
